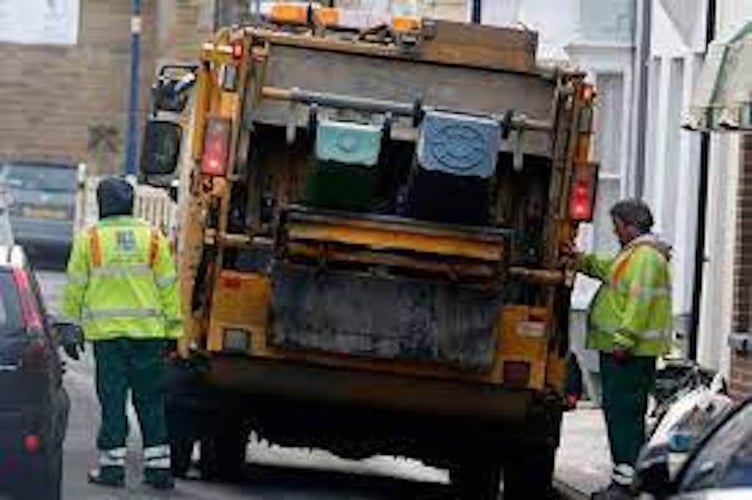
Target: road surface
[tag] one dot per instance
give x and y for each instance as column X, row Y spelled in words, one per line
column 273, row 473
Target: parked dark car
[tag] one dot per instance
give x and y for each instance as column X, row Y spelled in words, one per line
column 33, row 402
column 718, row 468
column 42, row 206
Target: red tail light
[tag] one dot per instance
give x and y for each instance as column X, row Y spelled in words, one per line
column 31, row 315
column 581, row 207
column 216, row 147
column 32, row 443
column 583, row 192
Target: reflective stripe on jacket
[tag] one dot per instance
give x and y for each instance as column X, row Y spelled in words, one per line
column 122, row 282
column 632, row 309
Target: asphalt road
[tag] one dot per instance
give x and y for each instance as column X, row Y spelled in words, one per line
column 272, row 472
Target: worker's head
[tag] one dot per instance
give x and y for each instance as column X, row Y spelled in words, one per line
column 115, row 197
column 632, row 218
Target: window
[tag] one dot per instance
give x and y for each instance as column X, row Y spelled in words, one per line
column 12, row 332
column 11, row 318
column 39, row 177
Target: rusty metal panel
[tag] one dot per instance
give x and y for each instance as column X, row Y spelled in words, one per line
column 442, row 86
column 384, row 317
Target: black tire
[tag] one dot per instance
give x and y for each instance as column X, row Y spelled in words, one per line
column 47, row 478
column 182, row 428
column 223, row 451
column 474, row 479
column 530, row 475
column 181, row 451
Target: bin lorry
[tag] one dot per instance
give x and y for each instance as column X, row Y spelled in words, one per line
column 370, row 225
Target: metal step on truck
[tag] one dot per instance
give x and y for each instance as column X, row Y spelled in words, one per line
column 370, row 221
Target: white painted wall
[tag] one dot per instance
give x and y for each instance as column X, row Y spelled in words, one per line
column 672, row 154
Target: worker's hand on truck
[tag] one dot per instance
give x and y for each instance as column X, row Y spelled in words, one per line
column 569, row 252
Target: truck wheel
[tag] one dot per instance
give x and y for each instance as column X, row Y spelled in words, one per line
column 223, row 452
column 530, row 475
column 182, row 451
column 474, row 479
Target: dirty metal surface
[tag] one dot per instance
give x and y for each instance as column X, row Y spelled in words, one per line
column 384, row 317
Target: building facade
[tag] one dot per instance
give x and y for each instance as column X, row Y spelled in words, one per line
column 65, row 96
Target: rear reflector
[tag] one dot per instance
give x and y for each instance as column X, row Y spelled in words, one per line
column 516, row 374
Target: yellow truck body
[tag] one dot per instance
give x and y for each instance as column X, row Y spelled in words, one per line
column 377, row 329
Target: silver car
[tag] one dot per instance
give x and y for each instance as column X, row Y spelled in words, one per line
column 719, row 467
column 41, row 202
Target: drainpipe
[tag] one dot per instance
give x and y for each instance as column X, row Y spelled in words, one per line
column 477, row 17
column 702, row 204
column 132, row 138
column 642, row 80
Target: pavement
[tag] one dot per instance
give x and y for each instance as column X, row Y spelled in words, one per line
column 583, row 461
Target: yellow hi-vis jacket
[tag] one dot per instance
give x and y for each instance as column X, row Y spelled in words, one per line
column 122, row 282
column 632, row 309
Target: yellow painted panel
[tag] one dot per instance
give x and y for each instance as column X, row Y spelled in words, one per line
column 241, row 301
column 556, row 373
column 524, row 338
column 392, row 240
column 229, row 104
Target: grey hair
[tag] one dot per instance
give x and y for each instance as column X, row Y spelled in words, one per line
column 635, row 212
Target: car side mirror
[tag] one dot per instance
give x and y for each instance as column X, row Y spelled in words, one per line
column 653, row 475
column 161, row 148
column 65, row 332
column 170, row 92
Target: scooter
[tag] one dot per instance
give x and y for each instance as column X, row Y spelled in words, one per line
column 691, row 400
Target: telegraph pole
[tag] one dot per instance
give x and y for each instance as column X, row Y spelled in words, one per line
column 131, row 150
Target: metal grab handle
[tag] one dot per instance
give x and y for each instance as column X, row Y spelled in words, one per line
column 415, row 110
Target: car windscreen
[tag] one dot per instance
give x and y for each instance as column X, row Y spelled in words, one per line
column 39, row 177
column 725, row 458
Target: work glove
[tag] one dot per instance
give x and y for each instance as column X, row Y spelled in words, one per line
column 72, row 340
column 620, row 355
column 572, row 400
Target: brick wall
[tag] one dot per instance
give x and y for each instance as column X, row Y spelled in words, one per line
column 70, row 103
column 741, row 364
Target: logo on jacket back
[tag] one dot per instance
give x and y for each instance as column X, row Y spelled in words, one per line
column 126, row 241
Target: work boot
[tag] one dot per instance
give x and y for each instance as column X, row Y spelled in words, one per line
column 160, row 479
column 613, row 492
column 108, row 476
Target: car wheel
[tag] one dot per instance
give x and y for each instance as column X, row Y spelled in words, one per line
column 530, row 475
column 223, row 451
column 474, row 479
column 47, row 478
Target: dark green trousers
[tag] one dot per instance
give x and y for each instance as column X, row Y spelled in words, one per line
column 626, row 386
column 137, row 366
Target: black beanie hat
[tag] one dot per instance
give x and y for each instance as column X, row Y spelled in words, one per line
column 115, row 197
